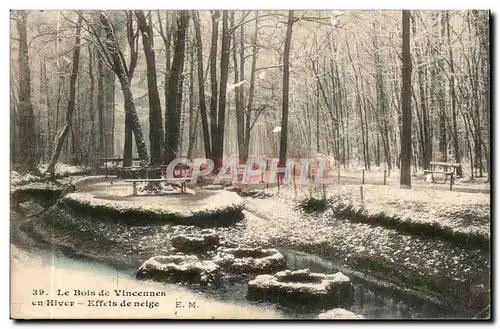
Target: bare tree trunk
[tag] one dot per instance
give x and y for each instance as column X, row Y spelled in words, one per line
column 100, row 105
column 27, row 144
column 92, row 149
column 131, row 118
column 201, row 87
column 155, row 117
column 251, row 91
column 454, row 130
column 173, row 110
column 240, row 116
column 406, row 153
column 224, row 73
column 213, row 83
column 109, row 111
column 44, row 90
column 71, row 102
column 443, row 142
column 241, row 89
column 166, row 35
column 193, row 117
column 14, row 126
column 286, row 75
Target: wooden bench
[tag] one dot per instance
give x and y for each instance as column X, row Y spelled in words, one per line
column 447, row 169
column 180, row 181
column 114, row 161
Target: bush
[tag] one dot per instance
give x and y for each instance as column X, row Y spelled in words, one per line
column 311, row 205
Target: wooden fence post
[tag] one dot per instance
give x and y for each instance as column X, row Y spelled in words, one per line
column 363, row 179
column 385, row 176
column 451, row 181
column 361, row 193
column 269, row 175
column 278, row 179
column 294, row 181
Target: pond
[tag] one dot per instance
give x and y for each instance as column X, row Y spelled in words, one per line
column 375, row 299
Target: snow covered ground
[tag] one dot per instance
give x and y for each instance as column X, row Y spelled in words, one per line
column 464, row 212
column 62, row 170
column 431, row 264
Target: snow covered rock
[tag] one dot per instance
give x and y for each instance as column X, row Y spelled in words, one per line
column 197, row 243
column 250, row 260
column 339, row 313
column 31, row 207
column 178, row 268
column 303, row 288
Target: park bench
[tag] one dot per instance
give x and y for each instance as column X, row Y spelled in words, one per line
column 114, row 161
column 446, row 168
column 181, row 181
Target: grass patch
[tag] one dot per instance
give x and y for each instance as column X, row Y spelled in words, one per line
column 65, row 222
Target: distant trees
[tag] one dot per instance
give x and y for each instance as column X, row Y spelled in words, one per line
column 333, row 85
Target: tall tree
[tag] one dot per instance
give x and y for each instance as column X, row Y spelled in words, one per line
column 100, row 106
column 238, row 105
column 286, row 84
column 26, row 118
column 116, row 60
column 218, row 150
column 71, row 101
column 173, row 110
column 201, row 86
column 251, row 90
column 454, row 130
column 92, row 147
column 213, row 82
column 109, row 108
column 406, row 150
column 132, row 39
column 155, row 119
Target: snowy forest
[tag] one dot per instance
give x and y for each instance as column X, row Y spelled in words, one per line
column 160, row 84
column 358, row 145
